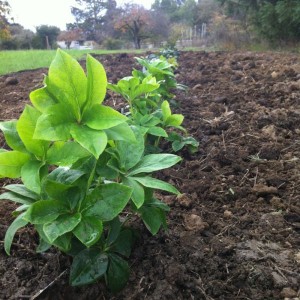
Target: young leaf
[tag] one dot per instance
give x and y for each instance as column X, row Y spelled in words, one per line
column 138, row 194
column 26, row 126
column 88, row 266
column 11, row 163
column 130, row 153
column 157, row 131
column 89, row 230
column 20, row 189
column 108, row 200
column 166, row 111
column 124, row 242
column 117, row 273
column 45, row 211
column 55, row 124
column 18, row 223
column 63, row 242
column 121, row 132
column 101, row 117
column 65, row 153
column 11, row 135
column 153, row 218
column 156, row 184
column 63, row 224
column 115, row 227
column 65, row 176
column 16, row 198
column 154, row 162
column 43, row 246
column 174, row 120
column 42, row 99
column 66, row 74
column 97, row 81
column 92, row 140
column 30, row 174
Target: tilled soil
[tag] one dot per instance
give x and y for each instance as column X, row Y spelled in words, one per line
column 234, row 234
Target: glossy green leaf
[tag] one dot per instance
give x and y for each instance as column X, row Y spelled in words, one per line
column 92, row 140
column 121, row 132
column 138, row 194
column 117, row 273
column 166, row 111
column 26, row 127
column 89, row 230
column 66, row 153
column 97, row 81
column 153, row 218
column 11, row 135
column 174, row 120
column 55, row 124
column 65, row 176
column 103, row 170
column 21, row 190
column 154, row 162
column 43, row 246
column 18, row 223
column 108, row 200
column 148, row 85
column 156, row 184
column 114, row 230
column 101, row 117
column 129, row 152
column 11, row 163
column 66, row 74
column 63, row 224
column 88, row 266
column 45, row 211
column 64, row 242
column 16, row 198
column 157, row 131
column 42, row 99
column 123, row 243
column 30, row 175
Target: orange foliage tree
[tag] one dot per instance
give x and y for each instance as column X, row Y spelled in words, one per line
column 136, row 21
column 4, row 12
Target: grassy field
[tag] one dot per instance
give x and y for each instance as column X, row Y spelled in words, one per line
column 13, row 61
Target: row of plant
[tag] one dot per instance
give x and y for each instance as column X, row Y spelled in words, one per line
column 87, row 169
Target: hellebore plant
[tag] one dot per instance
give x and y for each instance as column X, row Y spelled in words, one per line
column 148, row 94
column 83, row 167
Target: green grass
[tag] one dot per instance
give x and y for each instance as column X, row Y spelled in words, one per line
column 14, row 61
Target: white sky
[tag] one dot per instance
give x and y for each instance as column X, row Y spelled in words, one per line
column 32, row 13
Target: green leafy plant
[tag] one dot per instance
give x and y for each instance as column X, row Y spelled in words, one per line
column 82, row 165
column 163, row 71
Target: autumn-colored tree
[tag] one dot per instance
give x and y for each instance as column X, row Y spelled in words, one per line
column 136, row 21
column 69, row 36
column 4, row 12
column 89, row 16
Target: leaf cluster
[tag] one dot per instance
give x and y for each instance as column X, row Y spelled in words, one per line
column 149, row 93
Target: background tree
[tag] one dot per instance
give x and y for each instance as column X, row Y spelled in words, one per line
column 276, row 20
column 69, row 36
column 279, row 21
column 136, row 21
column 46, row 37
column 4, row 12
column 89, row 16
column 20, row 38
column 159, row 29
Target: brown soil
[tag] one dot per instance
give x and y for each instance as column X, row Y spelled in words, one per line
column 234, row 234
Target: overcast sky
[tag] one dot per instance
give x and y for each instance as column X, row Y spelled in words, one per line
column 32, row 13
